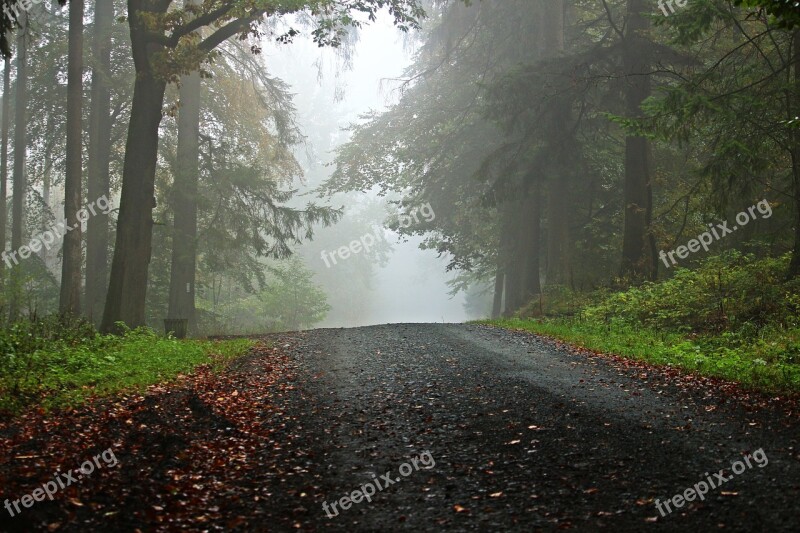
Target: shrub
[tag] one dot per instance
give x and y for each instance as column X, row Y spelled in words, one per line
column 55, row 362
column 728, row 292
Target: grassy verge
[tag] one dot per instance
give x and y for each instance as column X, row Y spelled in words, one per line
column 706, row 355
column 65, row 371
column 734, row 316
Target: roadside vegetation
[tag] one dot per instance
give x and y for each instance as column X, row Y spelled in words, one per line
column 734, row 317
column 52, row 362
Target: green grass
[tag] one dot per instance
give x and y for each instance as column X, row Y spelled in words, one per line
column 734, row 316
column 63, row 372
column 761, row 364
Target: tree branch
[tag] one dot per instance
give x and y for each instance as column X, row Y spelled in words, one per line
column 229, row 30
column 197, row 23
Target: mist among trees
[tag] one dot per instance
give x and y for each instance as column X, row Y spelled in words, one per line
column 189, row 184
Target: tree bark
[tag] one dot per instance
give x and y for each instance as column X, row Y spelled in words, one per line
column 20, row 145
column 513, row 258
column 558, row 234
column 794, row 265
column 127, row 288
column 4, row 163
column 70, row 301
column 532, row 224
column 47, row 182
column 513, row 281
column 497, row 302
column 638, row 193
column 558, row 183
column 99, row 160
column 184, row 196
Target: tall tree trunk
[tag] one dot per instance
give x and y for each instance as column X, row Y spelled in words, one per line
column 4, row 164
column 497, row 302
column 184, row 196
column 513, row 258
column 127, row 289
column 558, row 184
column 47, row 182
column 20, row 146
column 794, row 265
column 558, row 234
column 636, row 262
column 513, row 281
column 70, row 301
column 532, row 224
column 99, row 159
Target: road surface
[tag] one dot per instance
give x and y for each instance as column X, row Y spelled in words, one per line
column 527, row 436
column 420, row 427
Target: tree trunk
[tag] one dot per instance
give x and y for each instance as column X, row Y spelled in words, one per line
column 558, row 235
column 20, row 145
column 4, row 163
column 513, row 257
column 558, row 186
column 127, row 288
column 532, row 224
column 553, row 28
column 513, row 285
column 497, row 302
column 184, row 196
column 47, row 182
column 636, row 262
column 70, row 301
column 794, row 265
column 99, row 160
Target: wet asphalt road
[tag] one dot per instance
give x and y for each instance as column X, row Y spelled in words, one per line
column 527, row 436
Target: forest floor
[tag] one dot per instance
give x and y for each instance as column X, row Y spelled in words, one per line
column 477, row 428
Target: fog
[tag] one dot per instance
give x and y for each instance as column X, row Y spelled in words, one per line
column 270, row 253
column 331, row 92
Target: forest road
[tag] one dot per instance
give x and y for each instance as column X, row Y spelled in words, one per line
column 415, row 427
column 527, row 435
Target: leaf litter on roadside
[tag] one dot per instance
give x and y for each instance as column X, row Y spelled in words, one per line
column 202, row 453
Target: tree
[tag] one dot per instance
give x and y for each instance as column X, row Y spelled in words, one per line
column 98, row 172
column 786, row 12
column 160, row 40
column 637, row 261
column 485, row 132
column 794, row 109
column 248, row 135
column 13, row 15
column 740, row 97
column 290, row 301
column 184, row 202
column 70, row 301
column 20, row 144
column 4, row 160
